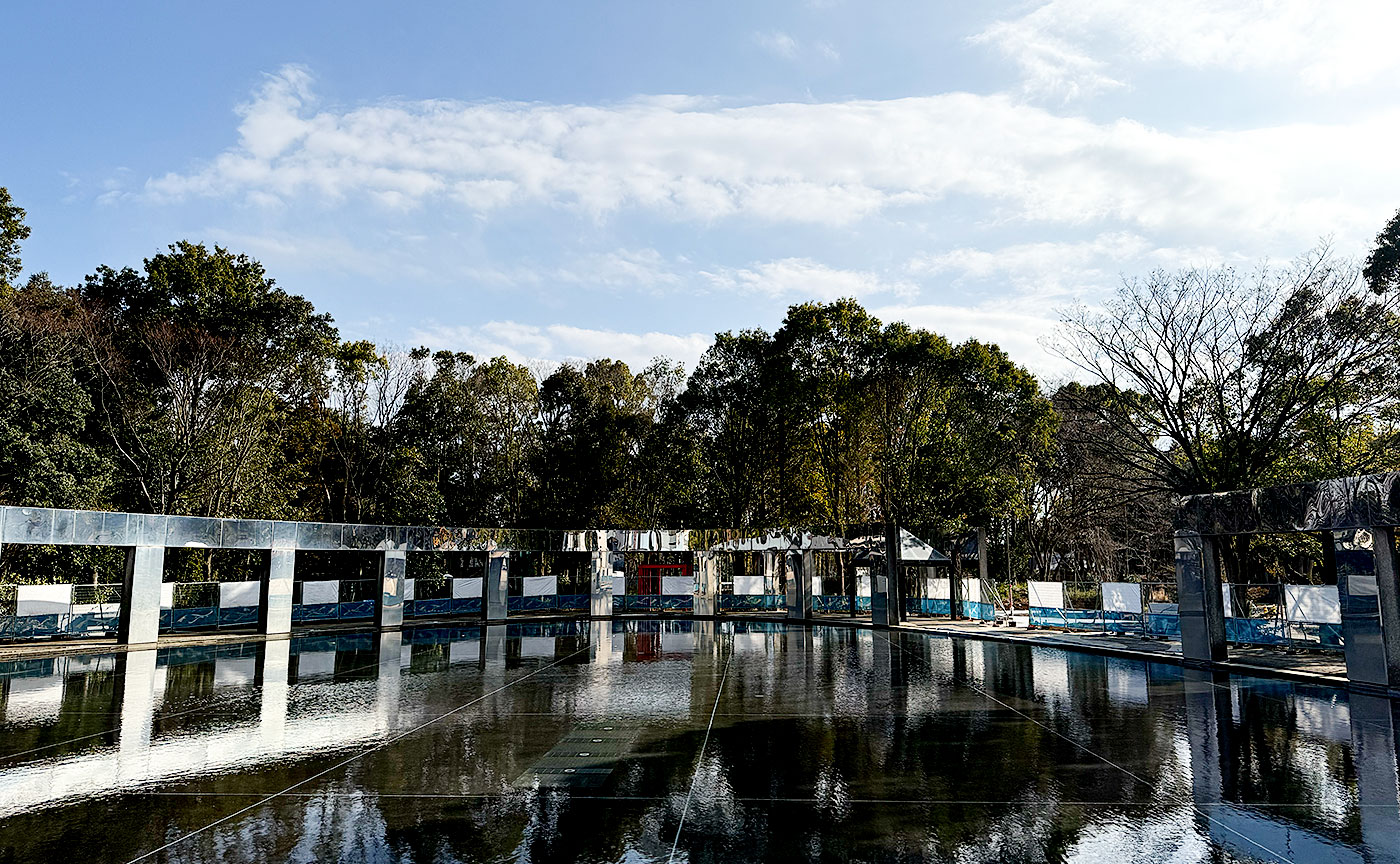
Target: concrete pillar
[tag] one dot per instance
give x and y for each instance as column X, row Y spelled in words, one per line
column 1388, row 590
column 388, row 612
column 140, row 621
column 275, row 600
column 600, row 600
column 886, row 599
column 1358, row 589
column 1200, row 605
column 707, row 577
column 493, row 593
column 983, row 562
column 800, row 566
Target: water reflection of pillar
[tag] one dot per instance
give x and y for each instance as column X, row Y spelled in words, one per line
column 600, row 644
column 1209, row 726
column 493, row 657
column 136, row 670
column 271, row 676
column 386, row 702
column 1375, row 721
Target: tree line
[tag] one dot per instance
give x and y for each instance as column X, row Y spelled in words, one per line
column 195, row 384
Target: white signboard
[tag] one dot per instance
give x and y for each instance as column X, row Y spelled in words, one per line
column 541, row 586
column 1047, row 595
column 749, row 584
column 43, row 599
column 323, row 591
column 467, row 587
column 1122, row 597
column 1315, row 604
column 232, row 594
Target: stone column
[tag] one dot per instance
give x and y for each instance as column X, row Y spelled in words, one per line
column 275, row 600
column 1358, row 589
column 1200, row 607
column 493, row 593
column 886, row 598
column 800, row 566
column 707, row 577
column 600, row 601
column 1388, row 590
column 393, row 567
column 983, row 576
column 140, row 608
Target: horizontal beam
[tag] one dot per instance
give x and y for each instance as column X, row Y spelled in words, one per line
column 1372, row 500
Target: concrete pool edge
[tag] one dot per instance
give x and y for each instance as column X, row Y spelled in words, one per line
column 947, row 629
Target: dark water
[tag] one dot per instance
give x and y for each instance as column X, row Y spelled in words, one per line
column 682, row 741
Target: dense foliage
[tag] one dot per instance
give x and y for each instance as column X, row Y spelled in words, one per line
column 197, row 385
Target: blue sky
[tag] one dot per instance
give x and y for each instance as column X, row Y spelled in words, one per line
column 557, row 180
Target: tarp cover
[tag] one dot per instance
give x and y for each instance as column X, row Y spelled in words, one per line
column 234, row 594
column 322, row 591
column 469, row 586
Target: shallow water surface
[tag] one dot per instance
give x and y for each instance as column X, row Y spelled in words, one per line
column 681, row 741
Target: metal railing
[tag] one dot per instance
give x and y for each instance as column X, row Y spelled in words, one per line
column 82, row 611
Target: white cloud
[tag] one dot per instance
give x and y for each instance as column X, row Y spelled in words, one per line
column 803, row 279
column 778, row 44
column 555, row 343
column 1076, row 47
column 827, row 164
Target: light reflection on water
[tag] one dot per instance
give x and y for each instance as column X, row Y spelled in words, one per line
column 565, row 742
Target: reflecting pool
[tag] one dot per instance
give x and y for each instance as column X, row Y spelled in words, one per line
column 681, row 741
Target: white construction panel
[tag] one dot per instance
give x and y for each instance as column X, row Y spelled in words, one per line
column 232, row 594
column 167, row 595
column 1315, row 604
column 863, row 584
column 1122, row 597
column 749, row 584
column 321, row 591
column 677, row 585
column 541, row 586
column 1225, row 598
column 619, row 584
column 43, row 599
column 408, row 589
column 1047, row 595
column 972, row 590
column 467, row 587
column 939, row 587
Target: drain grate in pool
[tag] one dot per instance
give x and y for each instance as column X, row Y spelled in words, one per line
column 582, row 758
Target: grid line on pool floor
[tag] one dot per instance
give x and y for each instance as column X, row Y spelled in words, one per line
column 700, row 760
column 344, row 762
